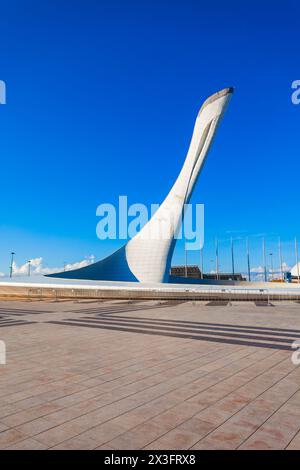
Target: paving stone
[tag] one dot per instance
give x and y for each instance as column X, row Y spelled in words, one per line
column 76, row 387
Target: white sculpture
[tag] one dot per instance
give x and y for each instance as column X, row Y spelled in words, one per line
column 147, row 256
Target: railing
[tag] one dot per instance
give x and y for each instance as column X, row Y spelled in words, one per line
column 241, row 295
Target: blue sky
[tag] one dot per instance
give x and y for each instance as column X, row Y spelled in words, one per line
column 101, row 102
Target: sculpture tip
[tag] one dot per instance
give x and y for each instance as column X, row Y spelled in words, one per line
column 217, row 95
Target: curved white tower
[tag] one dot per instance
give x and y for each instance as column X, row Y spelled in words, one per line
column 147, row 256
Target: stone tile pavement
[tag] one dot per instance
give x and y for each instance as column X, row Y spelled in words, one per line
column 149, row 375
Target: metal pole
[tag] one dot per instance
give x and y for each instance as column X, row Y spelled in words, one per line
column 232, row 259
column 217, row 259
column 201, row 261
column 185, row 255
column 280, row 258
column 264, row 258
column 272, row 270
column 11, row 263
column 29, row 262
column 248, row 261
column 297, row 262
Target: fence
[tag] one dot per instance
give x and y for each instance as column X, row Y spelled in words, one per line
column 229, row 295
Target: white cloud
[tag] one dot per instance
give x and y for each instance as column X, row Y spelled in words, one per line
column 37, row 267
column 2, row 274
column 259, row 269
column 286, row 267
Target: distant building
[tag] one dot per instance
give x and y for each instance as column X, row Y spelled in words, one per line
column 180, row 271
column 225, row 276
column 193, row 271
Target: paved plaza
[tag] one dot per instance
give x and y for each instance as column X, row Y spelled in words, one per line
column 149, row 375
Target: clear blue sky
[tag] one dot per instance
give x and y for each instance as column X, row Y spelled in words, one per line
column 101, row 101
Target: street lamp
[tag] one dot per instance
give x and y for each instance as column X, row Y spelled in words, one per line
column 280, row 259
column 11, row 263
column 211, row 266
column 201, row 261
column 297, row 262
column 232, row 259
column 272, row 271
column 248, row 260
column 217, row 258
column 29, row 264
column 264, row 258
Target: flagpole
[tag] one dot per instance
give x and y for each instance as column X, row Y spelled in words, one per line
column 217, row 259
column 248, row 260
column 232, row 259
column 280, row 258
column 264, row 258
column 201, row 261
column 297, row 262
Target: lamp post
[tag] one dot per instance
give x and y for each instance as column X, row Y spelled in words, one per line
column 264, row 258
column 297, row 262
column 232, row 259
column 201, row 261
column 248, row 260
column 272, row 271
column 29, row 265
column 217, row 259
column 185, row 265
column 211, row 266
column 280, row 259
column 11, row 263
